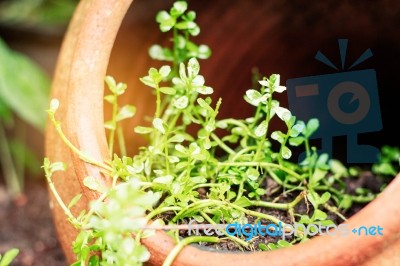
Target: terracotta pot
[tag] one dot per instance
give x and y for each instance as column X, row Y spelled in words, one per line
column 78, row 84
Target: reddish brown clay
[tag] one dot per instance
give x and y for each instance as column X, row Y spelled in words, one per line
column 78, row 84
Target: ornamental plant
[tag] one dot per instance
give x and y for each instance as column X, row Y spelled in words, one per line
column 199, row 167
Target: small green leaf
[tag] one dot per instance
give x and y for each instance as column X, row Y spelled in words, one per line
column 317, row 176
column 254, row 97
column 297, row 129
column 57, row 166
column 252, row 173
column 313, row 197
column 203, row 52
column 325, row 197
column 110, row 98
column 164, row 71
column 205, row 90
column 198, row 81
column 279, row 89
column 304, row 219
column 167, row 90
column 165, row 20
column 120, row 89
column 284, row 243
column 75, row 200
column 204, row 104
column 143, row 130
column 312, row 126
column 338, row 168
column 94, row 261
column 286, row 152
column 111, row 83
column 178, row 8
column 164, row 179
column 283, row 113
column 186, row 25
column 262, row 246
column 54, row 104
column 243, row 202
column 94, row 184
column 159, row 125
column 346, row 202
column 278, row 136
column 148, row 81
column 125, row 112
column 296, row 141
column 182, row 102
column 181, row 148
column 319, row 215
column 261, row 129
column 177, row 138
column 110, row 124
column 9, row 256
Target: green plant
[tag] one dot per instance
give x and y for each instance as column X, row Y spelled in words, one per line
column 218, row 174
column 8, row 257
column 24, row 90
column 36, row 12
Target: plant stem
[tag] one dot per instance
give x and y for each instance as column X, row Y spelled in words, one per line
column 121, row 141
column 267, row 119
column 222, row 144
column 78, row 152
column 7, row 164
column 114, row 126
column 233, row 238
column 280, row 206
column 262, row 164
column 186, row 241
column 53, row 189
column 158, row 102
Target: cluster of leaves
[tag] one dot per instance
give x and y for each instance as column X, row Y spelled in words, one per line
column 389, row 161
column 182, row 23
column 107, row 226
column 184, row 176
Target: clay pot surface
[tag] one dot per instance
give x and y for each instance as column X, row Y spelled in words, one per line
column 78, row 84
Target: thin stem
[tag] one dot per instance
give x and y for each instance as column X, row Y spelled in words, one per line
column 158, row 102
column 121, row 141
column 233, row 238
column 262, row 164
column 80, row 154
column 114, row 126
column 222, row 144
column 53, row 189
column 186, row 241
column 280, row 206
column 267, row 119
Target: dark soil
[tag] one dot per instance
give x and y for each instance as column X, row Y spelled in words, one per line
column 366, row 180
column 26, row 223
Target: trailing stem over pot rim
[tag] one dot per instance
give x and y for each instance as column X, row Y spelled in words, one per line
column 78, row 85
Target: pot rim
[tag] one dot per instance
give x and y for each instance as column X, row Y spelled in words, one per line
column 84, row 57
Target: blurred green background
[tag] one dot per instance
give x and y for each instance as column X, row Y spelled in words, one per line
column 30, row 36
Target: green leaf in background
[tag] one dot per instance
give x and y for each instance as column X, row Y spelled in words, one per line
column 24, row 87
column 8, row 257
